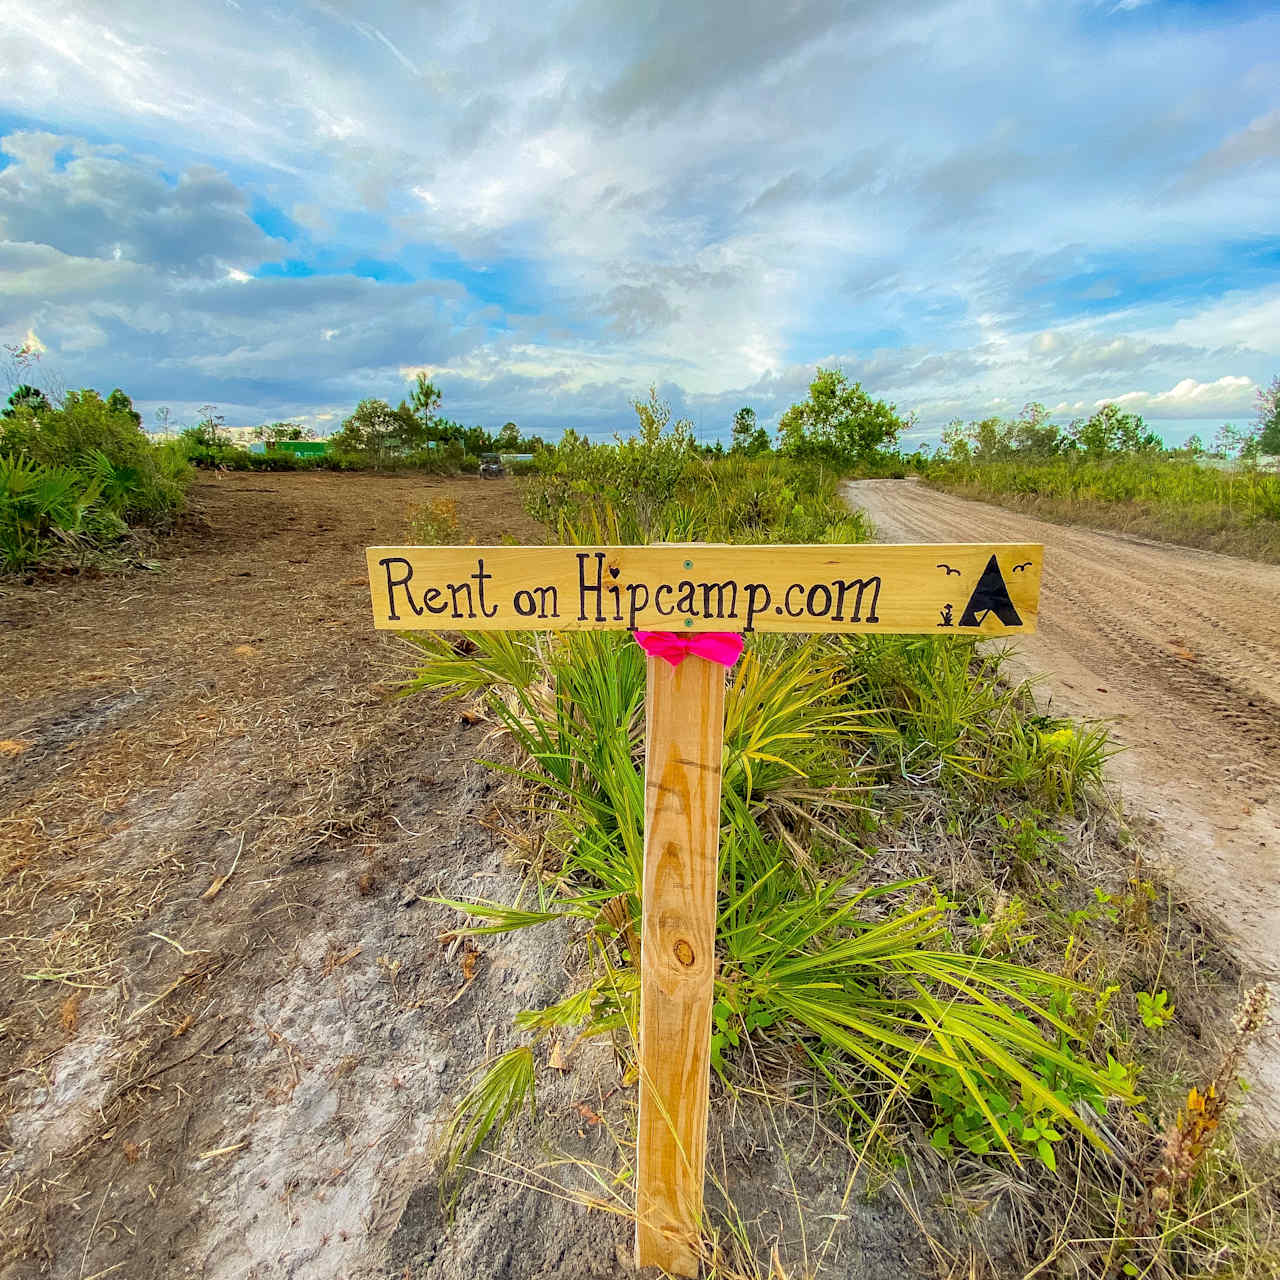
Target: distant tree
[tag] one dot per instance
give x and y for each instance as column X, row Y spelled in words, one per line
column 748, row 436
column 1269, row 417
column 1034, row 436
column 992, row 439
column 1233, row 442
column 118, row 402
column 209, row 431
column 1194, row 445
column 378, row 434
column 424, row 399
column 273, row 433
column 508, row 439
column 955, row 441
column 28, row 398
column 655, row 419
column 1112, row 430
column 839, row 422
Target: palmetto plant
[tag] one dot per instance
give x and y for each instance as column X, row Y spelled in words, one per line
column 864, row 985
column 118, row 483
column 868, row 985
column 38, row 503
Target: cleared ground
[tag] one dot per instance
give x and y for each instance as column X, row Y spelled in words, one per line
column 231, row 1024
column 1179, row 651
column 228, row 1028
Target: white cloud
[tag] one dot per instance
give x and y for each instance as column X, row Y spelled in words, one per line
column 615, row 206
column 1191, row 399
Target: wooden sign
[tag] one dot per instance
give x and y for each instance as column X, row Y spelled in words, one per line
column 989, row 589
column 974, row 589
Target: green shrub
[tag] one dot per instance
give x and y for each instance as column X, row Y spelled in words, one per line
column 205, row 448
column 679, row 497
column 88, row 431
column 73, row 478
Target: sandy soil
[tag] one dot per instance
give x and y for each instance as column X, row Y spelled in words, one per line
column 236, row 1078
column 1179, row 651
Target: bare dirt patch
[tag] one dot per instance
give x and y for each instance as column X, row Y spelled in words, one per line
column 231, row 1027
column 227, row 1019
column 1179, row 651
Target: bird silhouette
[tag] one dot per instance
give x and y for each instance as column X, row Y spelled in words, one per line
column 949, row 570
column 1018, row 567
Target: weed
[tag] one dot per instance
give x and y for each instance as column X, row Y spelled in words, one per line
column 498, row 1092
column 435, row 523
column 1154, row 1009
column 1188, row 1138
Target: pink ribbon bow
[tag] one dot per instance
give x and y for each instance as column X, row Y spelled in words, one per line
column 724, row 647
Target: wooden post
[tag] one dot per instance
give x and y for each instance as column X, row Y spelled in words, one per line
column 684, row 749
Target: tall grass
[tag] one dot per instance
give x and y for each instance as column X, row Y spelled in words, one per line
column 1175, row 498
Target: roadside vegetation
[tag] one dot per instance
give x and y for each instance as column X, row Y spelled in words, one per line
column 77, row 480
column 1109, row 471
column 935, row 947
column 81, row 482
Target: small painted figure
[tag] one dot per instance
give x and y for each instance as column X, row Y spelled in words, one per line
column 946, row 618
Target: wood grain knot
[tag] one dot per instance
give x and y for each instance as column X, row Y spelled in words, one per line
column 683, row 952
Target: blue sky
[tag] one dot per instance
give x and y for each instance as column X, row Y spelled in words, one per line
column 965, row 204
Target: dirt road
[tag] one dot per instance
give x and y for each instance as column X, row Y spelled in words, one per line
column 1179, row 651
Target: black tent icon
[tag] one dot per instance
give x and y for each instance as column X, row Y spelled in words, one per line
column 990, row 596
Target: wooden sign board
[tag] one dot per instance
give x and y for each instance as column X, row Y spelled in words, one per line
column 973, row 589
column 978, row 588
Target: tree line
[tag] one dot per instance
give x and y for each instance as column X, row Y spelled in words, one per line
column 1109, row 431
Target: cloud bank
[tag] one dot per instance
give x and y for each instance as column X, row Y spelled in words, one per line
column 965, row 205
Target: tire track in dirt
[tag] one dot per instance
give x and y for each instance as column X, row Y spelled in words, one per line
column 1178, row 650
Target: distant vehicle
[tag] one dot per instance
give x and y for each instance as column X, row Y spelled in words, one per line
column 491, row 465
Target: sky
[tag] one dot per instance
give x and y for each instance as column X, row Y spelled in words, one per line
column 966, row 205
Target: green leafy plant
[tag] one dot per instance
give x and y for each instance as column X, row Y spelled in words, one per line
column 875, row 985
column 1154, row 1009
column 73, row 478
column 498, row 1092
column 38, row 505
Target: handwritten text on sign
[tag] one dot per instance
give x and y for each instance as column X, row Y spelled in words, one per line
column 987, row 589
